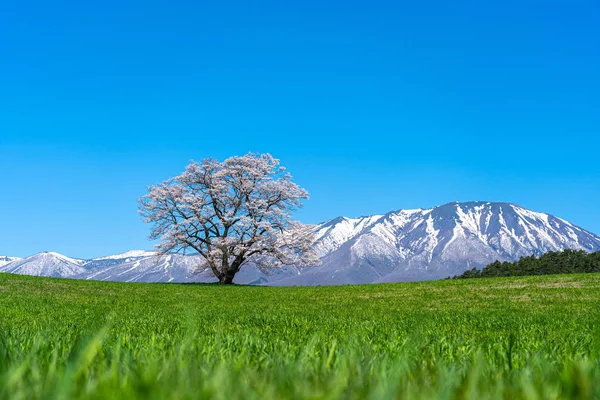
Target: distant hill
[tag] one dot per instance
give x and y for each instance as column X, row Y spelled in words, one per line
column 565, row 262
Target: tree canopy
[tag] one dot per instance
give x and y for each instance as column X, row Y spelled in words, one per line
column 231, row 212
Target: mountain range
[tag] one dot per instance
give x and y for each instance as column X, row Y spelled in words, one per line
column 401, row 245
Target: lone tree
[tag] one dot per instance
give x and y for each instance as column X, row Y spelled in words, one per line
column 231, row 212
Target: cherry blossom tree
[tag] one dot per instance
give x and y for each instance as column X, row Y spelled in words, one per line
column 231, row 212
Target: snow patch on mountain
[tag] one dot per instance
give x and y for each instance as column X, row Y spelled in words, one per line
column 5, row 260
column 128, row 254
column 143, row 268
column 330, row 235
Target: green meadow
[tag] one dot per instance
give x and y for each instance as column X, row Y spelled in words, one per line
column 500, row 338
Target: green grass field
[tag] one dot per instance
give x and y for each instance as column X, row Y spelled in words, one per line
column 509, row 338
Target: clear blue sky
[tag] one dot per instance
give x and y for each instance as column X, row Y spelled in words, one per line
column 371, row 105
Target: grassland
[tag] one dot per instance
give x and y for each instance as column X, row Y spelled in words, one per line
column 507, row 338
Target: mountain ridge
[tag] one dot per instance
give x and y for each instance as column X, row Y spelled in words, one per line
column 400, row 245
column 421, row 244
column 7, row 259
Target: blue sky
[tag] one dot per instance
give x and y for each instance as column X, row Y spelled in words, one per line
column 372, row 106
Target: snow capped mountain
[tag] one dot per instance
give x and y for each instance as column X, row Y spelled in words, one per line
column 332, row 234
column 128, row 254
column 401, row 245
column 132, row 266
column 428, row 244
column 129, row 267
column 5, row 260
column 174, row 268
column 45, row 264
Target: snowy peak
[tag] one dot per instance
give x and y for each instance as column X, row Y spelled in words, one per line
column 332, row 234
column 135, row 265
column 435, row 243
column 63, row 257
column 129, row 254
column 5, row 260
column 511, row 230
column 46, row 264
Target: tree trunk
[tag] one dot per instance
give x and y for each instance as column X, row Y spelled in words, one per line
column 231, row 270
column 227, row 278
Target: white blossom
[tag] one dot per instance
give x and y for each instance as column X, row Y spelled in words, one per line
column 231, row 213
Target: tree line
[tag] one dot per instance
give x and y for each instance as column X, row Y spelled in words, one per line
column 564, row 262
